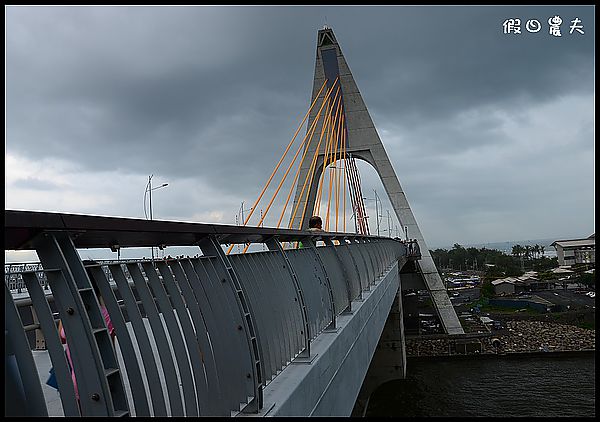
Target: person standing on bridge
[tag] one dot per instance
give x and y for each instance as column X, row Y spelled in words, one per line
column 315, row 224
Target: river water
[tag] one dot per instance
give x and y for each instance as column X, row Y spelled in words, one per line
column 519, row 386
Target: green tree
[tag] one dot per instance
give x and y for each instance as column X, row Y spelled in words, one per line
column 588, row 280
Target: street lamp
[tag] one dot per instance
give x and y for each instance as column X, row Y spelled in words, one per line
column 148, row 191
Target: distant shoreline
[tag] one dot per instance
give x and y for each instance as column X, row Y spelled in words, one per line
column 509, row 355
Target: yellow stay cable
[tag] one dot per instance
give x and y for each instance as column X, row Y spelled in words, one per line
column 281, row 159
column 326, row 162
column 338, row 169
column 311, row 172
column 311, row 169
column 317, row 206
column 292, row 163
column 293, row 184
column 332, row 172
column 344, row 161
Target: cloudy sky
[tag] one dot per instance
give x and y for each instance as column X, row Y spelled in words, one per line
column 490, row 134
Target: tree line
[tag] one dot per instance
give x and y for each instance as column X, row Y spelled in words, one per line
column 523, row 258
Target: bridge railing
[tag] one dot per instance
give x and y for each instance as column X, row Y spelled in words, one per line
column 194, row 336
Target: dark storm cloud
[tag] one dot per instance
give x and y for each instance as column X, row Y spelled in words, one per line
column 216, row 93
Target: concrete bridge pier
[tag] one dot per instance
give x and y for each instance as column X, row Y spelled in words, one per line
column 389, row 359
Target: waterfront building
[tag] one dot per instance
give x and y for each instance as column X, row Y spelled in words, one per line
column 575, row 251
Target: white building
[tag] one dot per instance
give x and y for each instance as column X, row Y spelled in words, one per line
column 575, row 251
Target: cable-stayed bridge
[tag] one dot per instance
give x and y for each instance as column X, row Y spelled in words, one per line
column 289, row 331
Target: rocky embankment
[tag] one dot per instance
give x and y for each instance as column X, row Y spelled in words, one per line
column 518, row 337
column 535, row 336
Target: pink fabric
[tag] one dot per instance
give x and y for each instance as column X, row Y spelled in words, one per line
column 63, row 339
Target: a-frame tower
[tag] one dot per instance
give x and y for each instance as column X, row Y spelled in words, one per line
column 363, row 142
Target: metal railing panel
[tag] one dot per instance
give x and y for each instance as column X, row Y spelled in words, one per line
column 206, row 379
column 134, row 375
column 279, row 278
column 352, row 273
column 18, row 352
column 292, row 305
column 53, row 343
column 336, row 274
column 272, row 298
column 180, row 331
column 212, row 313
column 279, row 287
column 268, row 333
column 312, row 281
column 361, row 264
column 254, row 378
column 230, row 322
column 80, row 314
column 142, row 338
column 162, row 344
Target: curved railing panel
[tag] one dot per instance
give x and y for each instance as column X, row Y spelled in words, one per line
column 352, row 271
column 277, row 268
column 337, row 277
column 313, row 283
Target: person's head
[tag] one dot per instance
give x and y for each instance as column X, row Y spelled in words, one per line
column 315, row 222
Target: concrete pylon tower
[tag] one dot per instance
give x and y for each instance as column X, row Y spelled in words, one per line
column 363, row 142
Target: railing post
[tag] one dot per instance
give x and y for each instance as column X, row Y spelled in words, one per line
column 40, row 341
column 210, row 246
column 274, row 245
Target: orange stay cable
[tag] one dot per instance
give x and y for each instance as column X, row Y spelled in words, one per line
column 334, row 159
column 293, row 184
column 292, row 163
column 326, row 120
column 326, row 162
column 338, row 169
column 312, row 170
column 326, row 156
column 344, row 177
column 310, row 176
column 281, row 159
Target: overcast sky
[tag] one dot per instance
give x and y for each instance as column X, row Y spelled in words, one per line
column 490, row 134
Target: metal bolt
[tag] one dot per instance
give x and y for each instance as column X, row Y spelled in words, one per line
column 240, row 327
column 248, row 376
column 70, row 311
column 224, row 280
column 95, row 396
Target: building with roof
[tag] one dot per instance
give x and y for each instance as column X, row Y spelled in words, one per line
column 504, row 286
column 576, row 251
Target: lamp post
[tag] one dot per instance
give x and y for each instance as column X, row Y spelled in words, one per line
column 148, row 191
